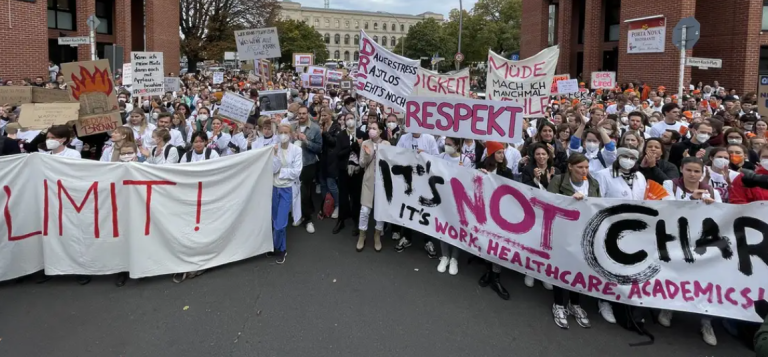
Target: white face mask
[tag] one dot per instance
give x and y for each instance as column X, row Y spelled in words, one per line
column 627, row 163
column 52, row 144
column 202, row 117
column 747, row 126
column 350, row 123
column 127, row 157
column 720, row 163
column 290, row 115
column 591, row 146
column 734, row 141
column 764, row 163
column 284, row 138
column 624, row 120
column 450, row 150
column 702, row 138
column 391, row 125
column 155, row 115
column 373, row 133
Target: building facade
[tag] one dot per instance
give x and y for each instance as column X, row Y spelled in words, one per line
column 30, row 32
column 341, row 28
column 593, row 36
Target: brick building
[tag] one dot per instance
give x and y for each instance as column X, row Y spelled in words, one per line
column 592, row 35
column 30, row 32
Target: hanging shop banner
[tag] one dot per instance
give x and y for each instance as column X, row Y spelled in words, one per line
column 677, row 255
column 71, row 216
column 646, row 36
column 432, row 84
column 527, row 82
column 383, row 76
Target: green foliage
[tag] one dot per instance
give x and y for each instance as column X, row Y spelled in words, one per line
column 298, row 37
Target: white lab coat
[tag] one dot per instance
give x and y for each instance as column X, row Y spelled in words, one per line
column 616, row 187
column 222, row 142
column 173, row 156
column 294, row 156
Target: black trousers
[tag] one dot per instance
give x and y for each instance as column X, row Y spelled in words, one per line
column 350, row 188
column 307, row 177
column 562, row 296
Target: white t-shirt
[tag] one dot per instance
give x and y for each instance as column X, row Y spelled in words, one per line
column 659, row 128
column 583, row 189
column 461, row 160
column 67, row 152
column 718, row 182
column 425, row 142
column 199, row 157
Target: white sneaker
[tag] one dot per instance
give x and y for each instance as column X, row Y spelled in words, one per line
column 606, row 311
column 529, row 281
column 310, row 228
column 395, row 236
column 335, row 213
column 560, row 315
column 443, row 264
column 581, row 316
column 547, row 286
column 665, row 318
column 453, row 267
column 707, row 333
column 299, row 222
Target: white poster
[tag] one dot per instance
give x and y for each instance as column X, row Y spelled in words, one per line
column 148, row 78
column 465, row 118
column 433, row 84
column 235, row 107
column 526, row 81
column 626, row 251
column 87, row 217
column 127, row 74
column 646, row 36
column 568, row 86
column 218, row 77
column 384, row 76
column 603, row 80
column 316, row 77
column 273, row 101
column 172, row 84
column 257, row 44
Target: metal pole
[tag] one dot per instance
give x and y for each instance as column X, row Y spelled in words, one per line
column 92, row 38
column 461, row 27
column 682, row 69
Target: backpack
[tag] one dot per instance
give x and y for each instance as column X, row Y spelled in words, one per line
column 631, row 318
column 207, row 153
column 601, row 159
column 179, row 149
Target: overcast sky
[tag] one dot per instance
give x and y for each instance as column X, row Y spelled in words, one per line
column 412, row 7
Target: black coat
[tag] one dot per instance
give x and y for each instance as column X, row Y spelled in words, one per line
column 528, row 176
column 661, row 172
column 343, row 149
column 328, row 160
column 501, row 170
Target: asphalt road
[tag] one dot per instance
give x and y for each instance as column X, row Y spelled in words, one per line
column 327, row 300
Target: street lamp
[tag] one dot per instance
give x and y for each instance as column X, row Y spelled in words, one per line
column 402, row 47
column 461, row 26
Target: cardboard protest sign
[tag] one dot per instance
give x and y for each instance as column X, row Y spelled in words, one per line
column 257, row 43
column 235, row 107
column 384, row 76
column 44, row 115
column 15, row 95
column 127, row 74
column 90, row 83
column 303, row 59
column 603, row 80
column 148, row 73
column 172, row 84
column 526, row 81
column 334, row 77
column 273, row 102
column 557, row 78
column 433, row 84
column 218, row 77
column 465, row 118
column 44, row 95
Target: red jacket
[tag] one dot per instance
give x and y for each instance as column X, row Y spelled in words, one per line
column 742, row 195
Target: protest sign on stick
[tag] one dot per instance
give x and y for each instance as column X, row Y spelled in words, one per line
column 384, row 76
column 557, row 78
column 148, row 78
column 172, row 84
column 235, row 107
column 527, row 82
column 273, row 102
column 218, row 77
column 256, row 44
column 303, row 59
column 603, row 80
column 44, row 115
column 334, row 77
column 127, row 74
column 90, row 83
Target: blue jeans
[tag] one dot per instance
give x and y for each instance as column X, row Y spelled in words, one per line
column 328, row 184
column 282, row 199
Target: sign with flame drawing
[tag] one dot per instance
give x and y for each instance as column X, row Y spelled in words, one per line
column 91, row 84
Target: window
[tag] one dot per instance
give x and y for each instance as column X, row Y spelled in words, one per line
column 357, row 56
column 762, row 66
column 402, row 28
column 357, row 40
column 375, row 26
column 384, row 27
column 327, row 38
column 357, row 24
column 612, row 21
column 394, row 41
column 338, row 23
column 346, row 55
column 366, row 25
column 346, row 39
column 336, row 39
column 317, row 22
column 765, row 15
column 346, row 24
column 551, row 25
column 336, row 55
column 383, row 40
column 61, row 14
column 376, row 39
column 104, row 10
column 327, row 23
column 393, row 28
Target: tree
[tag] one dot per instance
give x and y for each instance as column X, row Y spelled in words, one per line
column 207, row 26
column 424, row 39
column 298, row 37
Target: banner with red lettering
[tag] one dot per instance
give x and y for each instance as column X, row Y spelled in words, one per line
column 71, row 216
column 677, row 255
column 433, row 84
column 465, row 118
column 527, row 82
column 383, row 76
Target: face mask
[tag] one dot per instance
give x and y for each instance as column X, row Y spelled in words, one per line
column 127, row 157
column 350, row 123
column 121, row 100
column 373, row 133
column 764, row 163
column 627, row 163
column 392, row 125
column 555, row 108
column 702, row 138
column 155, row 116
column 720, row 163
column 624, row 120
column 290, row 115
column 202, row 117
column 747, row 126
column 450, row 150
column 284, row 138
column 591, row 146
column 737, row 159
column 51, row 144
column 734, row 141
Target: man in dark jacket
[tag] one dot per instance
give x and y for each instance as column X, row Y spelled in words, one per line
column 696, row 146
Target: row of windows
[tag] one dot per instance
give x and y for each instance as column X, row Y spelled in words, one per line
column 384, row 26
column 337, row 39
column 62, row 15
column 337, row 55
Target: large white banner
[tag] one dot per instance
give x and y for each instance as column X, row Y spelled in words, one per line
column 527, row 82
column 679, row 255
column 87, row 217
column 465, row 118
column 384, row 76
column 433, row 84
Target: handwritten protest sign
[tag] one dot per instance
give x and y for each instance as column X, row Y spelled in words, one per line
column 603, row 80
column 172, row 84
column 257, row 43
column 236, row 107
column 556, row 78
column 433, row 84
column 527, row 82
column 568, row 86
column 19, row 95
column 148, row 73
column 127, row 74
column 218, row 77
column 44, row 95
column 465, row 118
column 44, row 115
column 303, row 59
column 334, row 77
column 91, row 84
column 384, row 76
column 96, row 124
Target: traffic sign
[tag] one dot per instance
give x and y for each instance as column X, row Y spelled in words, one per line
column 74, row 41
column 692, row 30
column 515, row 57
column 93, row 22
column 459, row 57
column 703, row 62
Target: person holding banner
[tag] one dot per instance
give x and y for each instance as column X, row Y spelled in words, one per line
column 653, row 165
column 267, row 137
column 450, row 254
column 578, row 183
column 163, row 153
column 57, row 139
column 473, row 149
column 286, row 168
column 120, row 136
column 368, row 164
column 199, row 151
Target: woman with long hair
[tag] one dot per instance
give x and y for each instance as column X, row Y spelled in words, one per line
column 368, row 163
column 546, row 135
column 120, row 136
column 286, row 169
column 328, row 172
column 218, row 139
column 495, row 163
column 142, row 130
column 449, row 254
column 653, row 165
